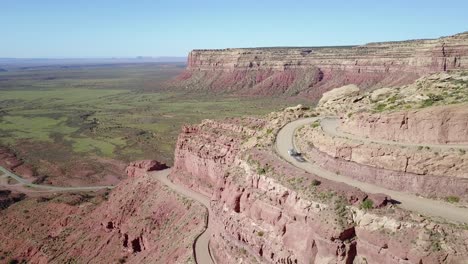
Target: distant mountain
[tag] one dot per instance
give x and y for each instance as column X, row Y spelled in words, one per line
column 163, row 59
column 2, row 70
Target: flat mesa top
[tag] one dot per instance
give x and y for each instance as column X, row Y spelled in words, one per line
column 462, row 35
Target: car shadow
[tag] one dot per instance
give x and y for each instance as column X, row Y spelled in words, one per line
column 299, row 157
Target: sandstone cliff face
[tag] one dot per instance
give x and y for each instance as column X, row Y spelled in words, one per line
column 412, row 169
column 419, row 117
column 265, row 210
column 312, row 71
column 440, row 125
column 205, row 151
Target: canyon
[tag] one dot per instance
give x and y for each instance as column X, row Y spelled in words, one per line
column 312, row 71
column 381, row 174
column 267, row 210
column 140, row 221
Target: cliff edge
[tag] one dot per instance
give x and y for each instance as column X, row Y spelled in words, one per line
column 311, row 71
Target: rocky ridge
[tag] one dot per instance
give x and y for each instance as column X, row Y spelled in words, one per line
column 266, row 210
column 140, row 221
column 421, row 116
column 315, row 70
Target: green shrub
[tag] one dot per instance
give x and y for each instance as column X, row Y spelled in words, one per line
column 367, row 204
column 431, row 100
column 435, row 97
column 427, row 103
column 261, row 170
column 315, row 182
column 316, row 124
column 260, row 233
column 452, row 199
column 392, row 99
column 380, row 107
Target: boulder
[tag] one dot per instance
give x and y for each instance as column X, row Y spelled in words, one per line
column 296, row 108
column 140, row 168
column 381, row 94
column 379, row 200
column 339, row 93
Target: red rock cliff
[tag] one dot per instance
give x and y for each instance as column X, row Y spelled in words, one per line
column 312, row 71
column 264, row 210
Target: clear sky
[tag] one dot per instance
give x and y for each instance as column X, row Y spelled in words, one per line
column 118, row 28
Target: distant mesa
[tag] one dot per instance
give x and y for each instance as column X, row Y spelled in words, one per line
column 311, row 71
column 2, row 70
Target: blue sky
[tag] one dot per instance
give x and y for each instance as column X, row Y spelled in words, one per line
column 105, row 28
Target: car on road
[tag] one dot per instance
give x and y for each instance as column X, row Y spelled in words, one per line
column 296, row 155
column 292, row 152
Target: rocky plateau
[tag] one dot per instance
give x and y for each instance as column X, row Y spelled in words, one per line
column 263, row 209
column 312, row 71
column 266, row 210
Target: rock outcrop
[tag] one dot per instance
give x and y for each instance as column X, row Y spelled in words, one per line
column 140, row 168
column 10, row 161
column 205, row 151
column 411, row 138
column 315, row 70
column 335, row 97
column 140, row 221
column 439, row 125
column 8, row 198
column 267, row 211
column 412, row 169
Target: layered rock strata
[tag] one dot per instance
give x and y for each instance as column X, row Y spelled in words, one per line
column 412, row 169
column 439, row 125
column 140, row 221
column 411, row 138
column 268, row 211
column 205, row 151
column 312, row 71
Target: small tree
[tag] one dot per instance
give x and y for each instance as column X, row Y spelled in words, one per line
column 367, row 204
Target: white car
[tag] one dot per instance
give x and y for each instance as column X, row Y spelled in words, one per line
column 292, row 152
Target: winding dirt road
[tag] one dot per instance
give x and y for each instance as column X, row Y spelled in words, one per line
column 50, row 188
column 433, row 208
column 202, row 252
column 201, row 249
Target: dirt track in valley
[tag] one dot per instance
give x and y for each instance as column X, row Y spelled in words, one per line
column 202, row 252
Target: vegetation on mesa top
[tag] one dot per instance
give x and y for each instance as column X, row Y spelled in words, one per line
column 434, row 90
